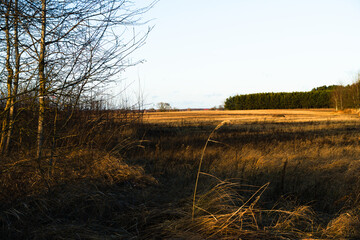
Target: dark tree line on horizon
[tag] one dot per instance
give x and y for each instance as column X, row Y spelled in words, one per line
column 334, row 96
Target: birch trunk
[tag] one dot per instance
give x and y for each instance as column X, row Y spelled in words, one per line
column 10, row 76
column 42, row 83
column 12, row 111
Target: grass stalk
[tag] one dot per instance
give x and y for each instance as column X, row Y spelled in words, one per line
column 200, row 163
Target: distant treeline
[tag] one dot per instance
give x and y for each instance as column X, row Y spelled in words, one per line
column 321, row 97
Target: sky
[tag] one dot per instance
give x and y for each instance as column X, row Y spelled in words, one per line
column 200, row 52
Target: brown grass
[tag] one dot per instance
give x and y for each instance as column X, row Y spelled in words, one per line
column 259, row 176
column 309, row 155
column 246, row 116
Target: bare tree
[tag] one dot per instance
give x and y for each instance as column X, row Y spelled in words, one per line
column 163, row 106
column 10, row 74
column 67, row 48
column 14, row 90
column 11, row 17
column 338, row 97
column 355, row 93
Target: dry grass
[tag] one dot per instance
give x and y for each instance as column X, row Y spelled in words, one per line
column 311, row 156
column 246, row 116
column 259, row 176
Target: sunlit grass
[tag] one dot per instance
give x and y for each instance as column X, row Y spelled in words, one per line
column 258, row 179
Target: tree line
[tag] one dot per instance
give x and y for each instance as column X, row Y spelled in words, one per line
column 321, row 97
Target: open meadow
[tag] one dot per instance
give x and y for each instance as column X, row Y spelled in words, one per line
column 246, row 116
column 81, row 158
column 259, row 174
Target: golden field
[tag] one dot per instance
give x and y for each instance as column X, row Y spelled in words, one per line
column 259, row 174
column 308, row 161
column 243, row 116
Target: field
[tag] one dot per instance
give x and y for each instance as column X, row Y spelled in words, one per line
column 260, row 174
column 246, row 116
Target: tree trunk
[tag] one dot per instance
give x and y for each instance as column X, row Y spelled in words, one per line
column 12, row 111
column 10, row 76
column 42, row 83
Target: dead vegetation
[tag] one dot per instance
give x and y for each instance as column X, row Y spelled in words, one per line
column 257, row 180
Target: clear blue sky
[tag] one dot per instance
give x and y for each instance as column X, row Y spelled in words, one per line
column 202, row 51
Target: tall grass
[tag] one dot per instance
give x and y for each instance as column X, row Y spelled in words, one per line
column 313, row 164
column 200, row 163
column 112, row 179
